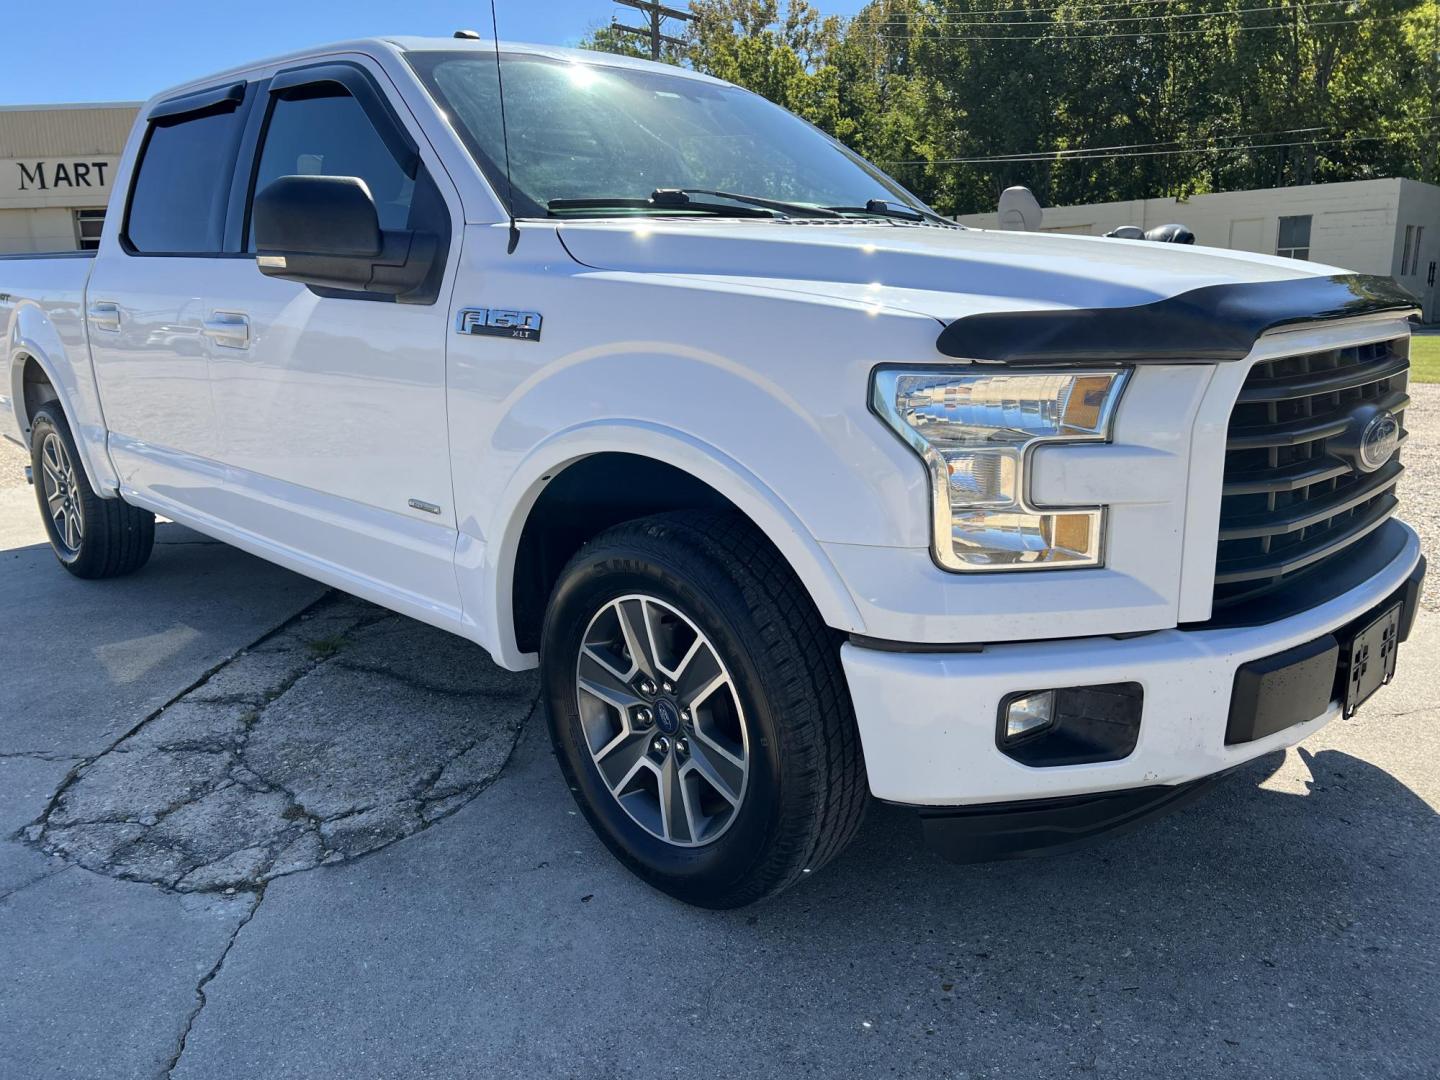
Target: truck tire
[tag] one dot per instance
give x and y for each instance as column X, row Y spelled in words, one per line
column 698, row 709
column 92, row 537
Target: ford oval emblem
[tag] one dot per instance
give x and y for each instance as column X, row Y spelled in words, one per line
column 1378, row 441
column 667, row 716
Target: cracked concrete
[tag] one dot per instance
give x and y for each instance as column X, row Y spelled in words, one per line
column 206, row 979
column 347, row 730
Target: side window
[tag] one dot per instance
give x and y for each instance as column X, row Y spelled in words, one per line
column 333, row 136
column 177, row 203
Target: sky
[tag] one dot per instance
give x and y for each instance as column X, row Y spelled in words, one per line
column 83, row 50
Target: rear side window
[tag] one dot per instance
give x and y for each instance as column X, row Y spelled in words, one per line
column 177, row 204
column 332, row 135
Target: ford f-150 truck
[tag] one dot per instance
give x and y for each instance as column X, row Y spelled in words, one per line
column 796, row 492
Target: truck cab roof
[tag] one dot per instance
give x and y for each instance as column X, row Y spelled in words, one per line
column 398, row 46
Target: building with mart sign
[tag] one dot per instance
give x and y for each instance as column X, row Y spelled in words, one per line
column 57, row 165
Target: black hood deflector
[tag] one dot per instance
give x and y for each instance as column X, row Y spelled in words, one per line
column 1216, row 323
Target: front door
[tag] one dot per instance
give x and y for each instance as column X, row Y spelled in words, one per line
column 331, row 405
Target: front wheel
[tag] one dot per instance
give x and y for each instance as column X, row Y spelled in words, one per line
column 699, row 711
column 92, row 537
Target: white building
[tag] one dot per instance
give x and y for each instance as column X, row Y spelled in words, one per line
column 1385, row 227
column 57, row 163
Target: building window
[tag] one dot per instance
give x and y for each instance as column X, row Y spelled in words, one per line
column 1415, row 255
column 1405, row 254
column 88, row 224
column 1294, row 242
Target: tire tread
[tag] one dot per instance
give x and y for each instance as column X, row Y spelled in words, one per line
column 826, row 807
column 118, row 537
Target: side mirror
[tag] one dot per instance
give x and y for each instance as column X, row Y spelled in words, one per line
column 324, row 231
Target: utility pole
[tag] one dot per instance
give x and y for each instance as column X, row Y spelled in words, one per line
column 657, row 12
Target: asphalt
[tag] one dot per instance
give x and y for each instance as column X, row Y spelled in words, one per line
column 250, row 827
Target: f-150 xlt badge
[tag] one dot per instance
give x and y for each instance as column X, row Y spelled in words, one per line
column 499, row 322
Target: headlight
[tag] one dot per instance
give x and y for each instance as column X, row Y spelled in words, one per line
column 975, row 433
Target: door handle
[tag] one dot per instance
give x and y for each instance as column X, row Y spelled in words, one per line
column 104, row 315
column 229, row 329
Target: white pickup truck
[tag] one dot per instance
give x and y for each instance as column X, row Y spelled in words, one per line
column 796, row 492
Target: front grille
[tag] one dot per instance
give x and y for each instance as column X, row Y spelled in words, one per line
column 1289, row 502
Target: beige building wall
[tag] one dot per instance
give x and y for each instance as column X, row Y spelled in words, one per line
column 1419, row 211
column 46, row 229
column 1359, row 225
column 57, row 166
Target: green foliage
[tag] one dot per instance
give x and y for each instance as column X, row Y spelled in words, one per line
column 1097, row 99
column 612, row 40
column 1425, row 358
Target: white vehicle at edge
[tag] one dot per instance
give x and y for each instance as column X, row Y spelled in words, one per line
column 791, row 488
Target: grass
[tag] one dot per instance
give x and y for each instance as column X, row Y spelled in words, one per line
column 1425, row 358
column 326, row 647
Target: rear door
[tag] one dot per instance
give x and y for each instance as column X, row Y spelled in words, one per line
column 331, row 404
column 145, row 302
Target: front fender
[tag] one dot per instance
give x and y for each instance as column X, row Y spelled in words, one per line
column 763, row 506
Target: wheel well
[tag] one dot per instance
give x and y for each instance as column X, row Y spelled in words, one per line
column 36, row 387
column 583, row 501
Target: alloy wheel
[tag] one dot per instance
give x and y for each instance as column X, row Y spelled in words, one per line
column 62, row 493
column 662, row 720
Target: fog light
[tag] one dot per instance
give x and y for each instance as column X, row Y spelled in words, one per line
column 1070, row 725
column 1029, row 715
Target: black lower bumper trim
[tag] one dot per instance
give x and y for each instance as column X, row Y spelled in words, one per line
column 968, row 834
column 1276, row 692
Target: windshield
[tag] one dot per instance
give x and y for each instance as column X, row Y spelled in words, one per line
column 593, row 132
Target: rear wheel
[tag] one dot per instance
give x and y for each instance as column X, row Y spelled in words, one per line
column 92, row 537
column 699, row 711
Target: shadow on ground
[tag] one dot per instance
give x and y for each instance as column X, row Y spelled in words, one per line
column 1256, row 933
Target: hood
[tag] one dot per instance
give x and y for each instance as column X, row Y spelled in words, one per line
column 943, row 273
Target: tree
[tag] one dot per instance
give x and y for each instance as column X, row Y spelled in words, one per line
column 608, row 38
column 1089, row 100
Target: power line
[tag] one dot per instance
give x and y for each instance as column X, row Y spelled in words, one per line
column 1154, row 33
column 1166, row 153
column 1000, row 9
column 1099, row 151
column 1038, row 10
column 1215, row 14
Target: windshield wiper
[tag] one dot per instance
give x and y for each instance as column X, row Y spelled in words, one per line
column 683, row 199
column 888, row 209
column 789, row 209
column 622, row 203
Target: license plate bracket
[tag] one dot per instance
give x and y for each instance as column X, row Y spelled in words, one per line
column 1370, row 658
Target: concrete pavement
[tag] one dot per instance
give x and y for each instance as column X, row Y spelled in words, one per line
column 250, row 829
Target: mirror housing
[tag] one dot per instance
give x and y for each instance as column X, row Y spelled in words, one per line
column 324, row 232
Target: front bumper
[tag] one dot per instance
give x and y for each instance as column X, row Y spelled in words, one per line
column 928, row 719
